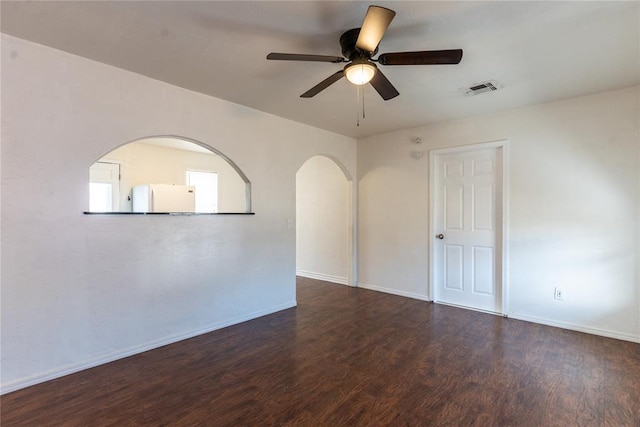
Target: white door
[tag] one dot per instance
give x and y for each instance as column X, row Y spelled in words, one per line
column 104, row 187
column 467, row 225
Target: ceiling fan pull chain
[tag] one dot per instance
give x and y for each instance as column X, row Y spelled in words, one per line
column 363, row 102
column 357, row 103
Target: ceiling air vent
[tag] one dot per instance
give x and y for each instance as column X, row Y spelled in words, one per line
column 483, row 87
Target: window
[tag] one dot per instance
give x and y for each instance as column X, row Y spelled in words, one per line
column 206, row 184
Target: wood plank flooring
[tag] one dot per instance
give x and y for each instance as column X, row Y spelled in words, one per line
column 352, row 357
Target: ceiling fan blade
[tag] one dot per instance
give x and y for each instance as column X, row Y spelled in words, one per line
column 375, row 23
column 302, row 57
column 383, row 86
column 323, row 85
column 427, row 57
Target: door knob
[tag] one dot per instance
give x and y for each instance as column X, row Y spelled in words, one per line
column 440, row 236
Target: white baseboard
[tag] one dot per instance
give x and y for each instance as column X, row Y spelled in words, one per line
column 393, row 291
column 120, row 354
column 323, row 277
column 575, row 327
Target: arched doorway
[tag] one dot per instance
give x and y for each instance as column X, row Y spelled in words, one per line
column 324, row 221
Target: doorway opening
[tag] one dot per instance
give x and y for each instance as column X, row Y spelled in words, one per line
column 324, row 221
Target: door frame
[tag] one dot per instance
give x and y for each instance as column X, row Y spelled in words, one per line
column 504, row 158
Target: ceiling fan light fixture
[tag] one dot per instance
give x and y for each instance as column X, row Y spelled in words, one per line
column 360, row 73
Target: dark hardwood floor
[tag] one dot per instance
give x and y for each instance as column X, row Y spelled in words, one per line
column 354, row 357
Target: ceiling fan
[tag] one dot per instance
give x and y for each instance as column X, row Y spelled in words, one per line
column 358, row 47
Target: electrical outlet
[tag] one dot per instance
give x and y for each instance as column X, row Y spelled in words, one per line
column 558, row 293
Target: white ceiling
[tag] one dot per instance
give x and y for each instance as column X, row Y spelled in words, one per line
column 539, row 51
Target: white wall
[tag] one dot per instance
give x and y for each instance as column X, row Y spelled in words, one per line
column 144, row 163
column 79, row 290
column 323, row 215
column 574, row 214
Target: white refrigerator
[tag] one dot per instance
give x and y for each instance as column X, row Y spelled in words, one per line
column 163, row 198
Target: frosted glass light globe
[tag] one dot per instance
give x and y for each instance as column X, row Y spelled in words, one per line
column 360, row 73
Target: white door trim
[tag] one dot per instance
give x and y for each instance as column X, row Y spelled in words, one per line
column 503, row 144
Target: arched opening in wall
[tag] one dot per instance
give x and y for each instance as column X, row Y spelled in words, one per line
column 167, row 174
column 324, row 219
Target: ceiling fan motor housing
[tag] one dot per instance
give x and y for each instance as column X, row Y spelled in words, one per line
column 348, row 43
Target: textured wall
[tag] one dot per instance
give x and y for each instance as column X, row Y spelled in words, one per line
column 79, row 290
